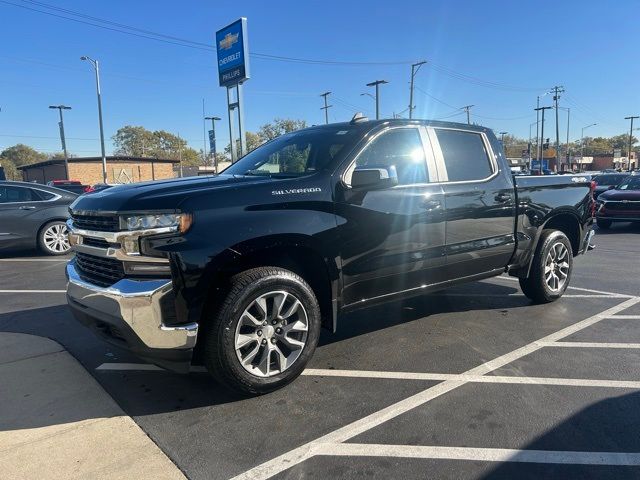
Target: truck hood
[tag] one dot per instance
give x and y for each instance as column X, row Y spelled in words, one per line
column 157, row 195
column 617, row 195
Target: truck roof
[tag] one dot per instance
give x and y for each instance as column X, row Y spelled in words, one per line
column 367, row 124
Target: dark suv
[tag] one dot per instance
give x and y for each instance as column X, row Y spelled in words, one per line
column 620, row 204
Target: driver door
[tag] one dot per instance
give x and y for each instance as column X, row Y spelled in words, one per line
column 392, row 238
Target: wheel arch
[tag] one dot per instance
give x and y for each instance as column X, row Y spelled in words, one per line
column 299, row 253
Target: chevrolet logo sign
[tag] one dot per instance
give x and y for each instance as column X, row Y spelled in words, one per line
column 228, row 41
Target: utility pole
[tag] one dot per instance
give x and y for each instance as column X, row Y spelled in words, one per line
column 568, row 119
column 542, row 136
column 630, row 139
column 204, row 136
column 326, row 107
column 414, row 70
column 212, row 140
column 377, row 84
column 557, row 90
column 104, row 156
column 467, row 108
column 62, row 139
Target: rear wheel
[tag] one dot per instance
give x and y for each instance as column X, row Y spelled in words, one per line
column 603, row 224
column 551, row 268
column 53, row 238
column 265, row 331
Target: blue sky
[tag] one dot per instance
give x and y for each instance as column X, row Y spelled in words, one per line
column 519, row 48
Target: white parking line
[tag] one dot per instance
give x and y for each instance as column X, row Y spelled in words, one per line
column 568, row 382
column 34, row 259
column 591, row 345
column 33, row 291
column 479, row 454
column 611, row 294
column 300, row 454
column 625, row 317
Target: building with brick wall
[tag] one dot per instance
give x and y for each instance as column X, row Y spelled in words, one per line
column 88, row 170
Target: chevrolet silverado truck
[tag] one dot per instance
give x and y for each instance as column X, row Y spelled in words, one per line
column 241, row 270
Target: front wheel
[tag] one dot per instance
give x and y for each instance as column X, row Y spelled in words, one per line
column 551, row 268
column 53, row 238
column 265, row 331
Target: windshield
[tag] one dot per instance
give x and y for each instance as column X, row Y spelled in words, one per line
column 297, row 153
column 630, row 183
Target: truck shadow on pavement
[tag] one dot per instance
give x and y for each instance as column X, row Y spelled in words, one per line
column 151, row 392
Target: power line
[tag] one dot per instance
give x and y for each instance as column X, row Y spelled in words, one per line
column 67, row 14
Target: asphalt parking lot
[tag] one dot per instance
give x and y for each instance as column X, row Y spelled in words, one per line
column 471, row 382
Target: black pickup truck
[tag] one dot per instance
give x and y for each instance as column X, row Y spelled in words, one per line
column 241, row 270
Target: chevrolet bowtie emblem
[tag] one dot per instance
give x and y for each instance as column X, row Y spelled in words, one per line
column 227, row 42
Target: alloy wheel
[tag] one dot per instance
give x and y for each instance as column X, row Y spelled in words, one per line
column 55, row 238
column 271, row 333
column 556, row 267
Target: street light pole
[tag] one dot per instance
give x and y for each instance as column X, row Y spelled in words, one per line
column 62, row 139
column 630, row 139
column 213, row 140
column 377, row 84
column 96, row 67
column 582, row 143
column 414, row 70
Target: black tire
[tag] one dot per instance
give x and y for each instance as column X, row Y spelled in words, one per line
column 45, row 243
column 535, row 285
column 220, row 356
column 603, row 224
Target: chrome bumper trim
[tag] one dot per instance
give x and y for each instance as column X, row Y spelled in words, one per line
column 137, row 303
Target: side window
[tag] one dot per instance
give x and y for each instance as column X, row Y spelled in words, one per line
column 44, row 195
column 9, row 194
column 401, row 148
column 465, row 155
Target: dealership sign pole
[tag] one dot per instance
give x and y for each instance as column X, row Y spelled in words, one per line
column 233, row 69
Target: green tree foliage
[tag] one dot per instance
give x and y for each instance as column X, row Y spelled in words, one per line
column 268, row 131
column 136, row 141
column 279, row 126
column 16, row 156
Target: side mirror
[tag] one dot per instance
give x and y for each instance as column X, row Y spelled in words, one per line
column 374, row 178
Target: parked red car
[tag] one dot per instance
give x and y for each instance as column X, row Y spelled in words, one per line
column 620, row 204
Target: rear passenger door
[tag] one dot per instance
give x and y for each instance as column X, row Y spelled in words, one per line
column 479, row 199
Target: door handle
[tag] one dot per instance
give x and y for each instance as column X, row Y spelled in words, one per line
column 503, row 197
column 431, row 205
column 27, row 207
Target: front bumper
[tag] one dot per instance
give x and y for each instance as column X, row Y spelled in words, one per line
column 132, row 314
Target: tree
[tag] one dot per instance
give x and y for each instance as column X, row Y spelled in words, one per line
column 136, row 141
column 21, row 154
column 16, row 156
column 279, row 126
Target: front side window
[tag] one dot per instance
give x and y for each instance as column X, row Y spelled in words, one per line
column 10, row 194
column 465, row 155
column 400, row 148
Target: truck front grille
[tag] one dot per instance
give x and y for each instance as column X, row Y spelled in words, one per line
column 622, row 206
column 100, row 223
column 98, row 270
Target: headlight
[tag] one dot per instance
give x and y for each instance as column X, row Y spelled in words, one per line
column 157, row 220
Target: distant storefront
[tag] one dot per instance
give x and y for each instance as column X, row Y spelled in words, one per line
column 88, row 170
